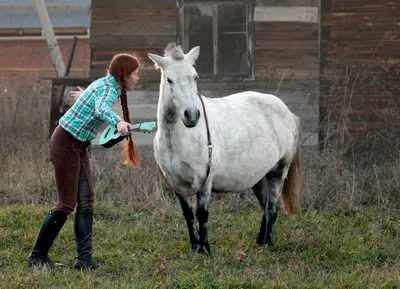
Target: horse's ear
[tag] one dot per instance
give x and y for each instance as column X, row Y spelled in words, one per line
column 158, row 60
column 193, row 54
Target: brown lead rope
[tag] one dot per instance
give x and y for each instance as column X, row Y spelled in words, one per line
column 210, row 146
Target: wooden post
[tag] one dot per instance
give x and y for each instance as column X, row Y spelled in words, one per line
column 69, row 63
column 55, row 53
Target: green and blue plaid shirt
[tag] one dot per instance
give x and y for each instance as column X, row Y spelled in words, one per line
column 93, row 107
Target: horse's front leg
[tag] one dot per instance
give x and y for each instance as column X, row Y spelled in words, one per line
column 203, row 201
column 187, row 208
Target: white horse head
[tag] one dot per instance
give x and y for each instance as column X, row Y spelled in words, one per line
column 179, row 81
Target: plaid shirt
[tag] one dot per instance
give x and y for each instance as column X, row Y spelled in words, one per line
column 93, row 107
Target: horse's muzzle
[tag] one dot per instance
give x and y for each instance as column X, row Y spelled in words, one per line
column 191, row 117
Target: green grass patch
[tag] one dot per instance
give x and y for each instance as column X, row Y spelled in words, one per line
column 143, row 247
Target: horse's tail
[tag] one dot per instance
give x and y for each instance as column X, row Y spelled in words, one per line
column 293, row 184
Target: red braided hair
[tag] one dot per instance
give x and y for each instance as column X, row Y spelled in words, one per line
column 121, row 66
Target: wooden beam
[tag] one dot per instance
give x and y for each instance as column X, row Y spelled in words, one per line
column 55, row 53
column 49, row 7
column 288, row 3
column 286, row 14
column 215, row 38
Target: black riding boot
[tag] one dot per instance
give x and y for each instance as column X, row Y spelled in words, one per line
column 49, row 230
column 83, row 238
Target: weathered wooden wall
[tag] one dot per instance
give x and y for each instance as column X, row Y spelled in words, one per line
column 360, row 77
column 134, row 26
column 286, row 53
column 137, row 27
column 287, row 56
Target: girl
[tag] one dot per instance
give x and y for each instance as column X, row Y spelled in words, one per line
column 73, row 174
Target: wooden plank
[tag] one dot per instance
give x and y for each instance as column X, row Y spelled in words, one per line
column 145, row 65
column 364, row 28
column 133, row 4
column 105, row 55
column 190, row 3
column 130, row 41
column 357, row 6
column 363, row 19
column 286, row 14
column 286, row 44
column 38, row 31
column 300, row 63
column 144, row 75
column 286, row 31
column 288, row 58
column 377, row 8
column 21, row 31
column 55, row 53
column 308, row 3
column 126, row 15
column 286, row 73
column 355, row 33
column 250, row 38
column 215, row 38
column 133, row 28
column 49, row 7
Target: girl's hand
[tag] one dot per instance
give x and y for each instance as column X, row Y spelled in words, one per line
column 75, row 94
column 122, row 128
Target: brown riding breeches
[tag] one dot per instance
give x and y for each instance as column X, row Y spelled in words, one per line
column 72, row 170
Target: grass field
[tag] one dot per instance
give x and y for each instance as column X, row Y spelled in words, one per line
column 148, row 247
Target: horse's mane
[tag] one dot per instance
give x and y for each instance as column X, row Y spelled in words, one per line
column 174, row 51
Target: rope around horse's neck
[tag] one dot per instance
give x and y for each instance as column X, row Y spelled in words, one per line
column 210, row 146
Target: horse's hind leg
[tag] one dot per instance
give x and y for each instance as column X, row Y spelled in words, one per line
column 187, row 208
column 268, row 191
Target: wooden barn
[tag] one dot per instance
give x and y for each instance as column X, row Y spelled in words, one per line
column 296, row 49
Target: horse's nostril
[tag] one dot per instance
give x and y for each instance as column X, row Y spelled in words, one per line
column 186, row 114
column 198, row 114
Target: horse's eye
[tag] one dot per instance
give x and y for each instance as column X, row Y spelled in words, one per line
column 169, row 80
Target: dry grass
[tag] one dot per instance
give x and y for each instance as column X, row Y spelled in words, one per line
column 336, row 176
